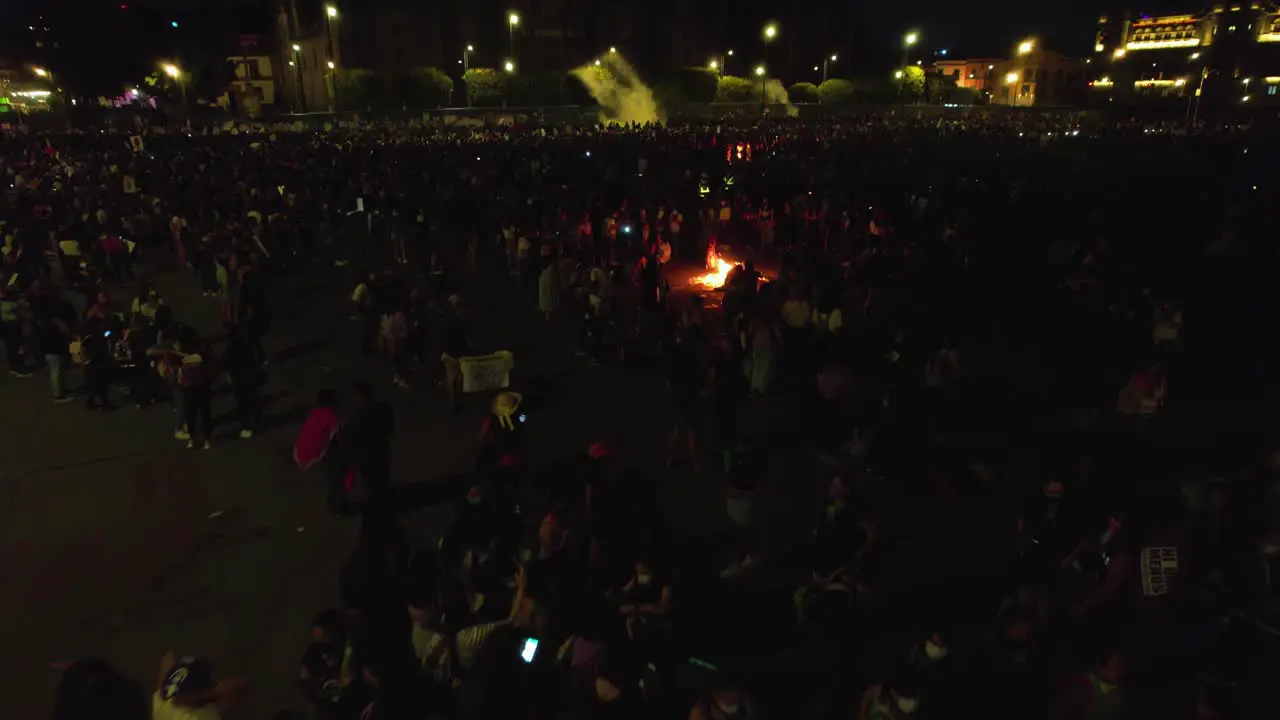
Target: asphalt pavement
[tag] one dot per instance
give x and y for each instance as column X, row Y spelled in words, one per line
column 118, row 542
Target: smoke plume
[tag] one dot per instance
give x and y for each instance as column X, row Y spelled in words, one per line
column 775, row 94
column 623, row 97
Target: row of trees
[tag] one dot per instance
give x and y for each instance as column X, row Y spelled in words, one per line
column 427, row 88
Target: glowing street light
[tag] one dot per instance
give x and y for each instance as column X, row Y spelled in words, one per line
column 825, row 62
column 513, row 19
column 1195, row 56
column 1026, row 47
column 597, row 62
column 613, row 50
column 897, row 75
column 330, row 17
column 760, row 73
column 770, row 33
column 41, row 72
column 301, row 92
column 730, row 53
column 175, row 72
column 466, row 58
column 1119, row 53
column 509, row 66
column 1011, row 78
column 911, row 38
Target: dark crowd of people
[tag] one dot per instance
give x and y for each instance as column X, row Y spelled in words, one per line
column 1055, row 306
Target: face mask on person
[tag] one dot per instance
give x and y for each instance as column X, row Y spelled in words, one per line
column 907, row 706
column 934, row 651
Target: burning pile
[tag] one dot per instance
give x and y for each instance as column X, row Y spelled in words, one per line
column 717, row 271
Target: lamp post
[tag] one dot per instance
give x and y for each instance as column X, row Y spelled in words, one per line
column 769, row 34
column 513, row 19
column 717, row 67
column 908, row 40
column 760, row 73
column 465, row 62
column 296, row 64
column 824, row 66
column 333, row 85
column 330, row 17
column 1195, row 112
column 175, row 72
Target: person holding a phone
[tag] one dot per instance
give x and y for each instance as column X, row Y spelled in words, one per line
column 513, row 673
column 97, row 367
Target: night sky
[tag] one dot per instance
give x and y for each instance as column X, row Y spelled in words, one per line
column 104, row 45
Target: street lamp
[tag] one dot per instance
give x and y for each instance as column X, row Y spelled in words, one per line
column 466, row 57
column 175, row 72
column 911, row 38
column 509, row 66
column 597, row 62
column 760, row 74
column 296, row 64
column 513, row 19
column 613, row 50
column 770, row 33
column 824, row 66
column 897, row 75
column 330, row 17
column 1026, row 47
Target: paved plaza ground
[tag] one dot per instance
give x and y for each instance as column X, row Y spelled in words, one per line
column 116, row 541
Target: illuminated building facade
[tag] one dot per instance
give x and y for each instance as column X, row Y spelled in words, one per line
column 1033, row 78
column 253, row 85
column 974, row 73
column 1229, row 52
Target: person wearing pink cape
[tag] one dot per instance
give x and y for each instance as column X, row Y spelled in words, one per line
column 318, row 441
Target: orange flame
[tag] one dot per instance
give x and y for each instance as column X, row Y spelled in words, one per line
column 717, row 271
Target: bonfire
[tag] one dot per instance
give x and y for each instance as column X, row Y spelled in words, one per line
column 717, row 271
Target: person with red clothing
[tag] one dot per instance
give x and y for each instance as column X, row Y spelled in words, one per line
column 501, row 437
column 317, row 441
